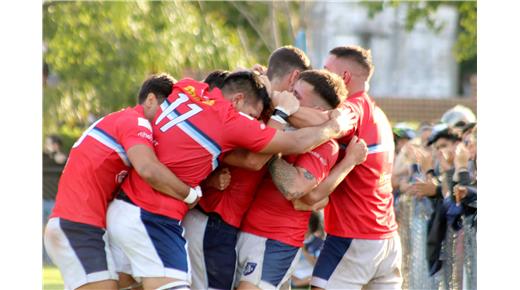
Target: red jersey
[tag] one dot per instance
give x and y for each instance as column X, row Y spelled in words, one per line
column 232, row 202
column 98, row 164
column 273, row 216
column 192, row 128
column 362, row 205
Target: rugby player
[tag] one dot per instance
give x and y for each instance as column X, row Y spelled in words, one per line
column 362, row 247
column 272, row 231
column 212, row 227
column 100, row 159
column 192, row 129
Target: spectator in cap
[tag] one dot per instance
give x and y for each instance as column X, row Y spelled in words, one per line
column 458, row 114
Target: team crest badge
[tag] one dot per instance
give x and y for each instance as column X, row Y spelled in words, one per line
column 250, row 268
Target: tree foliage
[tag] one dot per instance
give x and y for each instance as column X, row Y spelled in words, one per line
column 102, row 51
column 466, row 46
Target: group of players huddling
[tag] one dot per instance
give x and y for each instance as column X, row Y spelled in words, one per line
column 210, row 185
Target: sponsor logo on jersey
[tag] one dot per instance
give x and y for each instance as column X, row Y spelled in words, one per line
column 190, row 90
column 319, row 157
column 250, row 268
column 145, row 135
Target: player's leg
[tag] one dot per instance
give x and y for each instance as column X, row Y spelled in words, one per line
column 388, row 275
column 345, row 264
column 220, row 240
column 154, row 244
column 250, row 249
column 195, row 224
column 265, row 263
column 82, row 254
column 124, row 270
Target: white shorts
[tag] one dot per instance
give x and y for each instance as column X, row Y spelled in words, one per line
column 80, row 251
column 355, row 263
column 265, row 263
column 212, row 250
column 153, row 244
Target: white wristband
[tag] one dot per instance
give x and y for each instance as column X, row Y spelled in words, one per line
column 279, row 119
column 282, row 109
column 193, row 195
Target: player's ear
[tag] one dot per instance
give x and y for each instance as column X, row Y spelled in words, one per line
column 237, row 98
column 293, row 77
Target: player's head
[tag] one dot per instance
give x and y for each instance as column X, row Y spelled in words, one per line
column 284, row 66
column 247, row 93
column 319, row 89
column 153, row 91
column 352, row 63
column 216, row 78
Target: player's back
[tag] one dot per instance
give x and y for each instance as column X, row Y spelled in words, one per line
column 97, row 165
column 191, row 130
column 362, row 205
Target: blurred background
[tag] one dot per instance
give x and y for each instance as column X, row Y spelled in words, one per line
column 96, row 55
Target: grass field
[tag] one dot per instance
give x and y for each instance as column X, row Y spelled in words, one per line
column 52, row 279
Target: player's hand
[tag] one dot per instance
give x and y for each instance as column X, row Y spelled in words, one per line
column 219, row 179
column 341, row 121
column 300, row 205
column 286, row 100
column 262, row 70
column 224, row 178
column 265, row 80
column 356, row 151
column 461, row 156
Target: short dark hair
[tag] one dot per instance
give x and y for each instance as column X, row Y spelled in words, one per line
column 447, row 133
column 216, row 78
column 360, row 55
column 248, row 83
column 285, row 59
column 329, row 86
column 160, row 85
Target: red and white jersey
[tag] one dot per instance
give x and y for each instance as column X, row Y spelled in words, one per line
column 192, row 128
column 273, row 216
column 232, row 203
column 362, row 206
column 98, row 164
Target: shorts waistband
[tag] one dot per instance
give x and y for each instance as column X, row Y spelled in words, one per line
column 122, row 196
column 215, row 217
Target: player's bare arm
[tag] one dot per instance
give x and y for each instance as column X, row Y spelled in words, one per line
column 298, row 204
column 147, row 165
column 306, row 139
column 356, row 154
column 306, row 117
column 292, row 181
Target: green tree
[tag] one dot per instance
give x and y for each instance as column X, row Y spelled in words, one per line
column 102, row 51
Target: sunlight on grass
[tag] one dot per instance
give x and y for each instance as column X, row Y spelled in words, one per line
column 52, row 279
